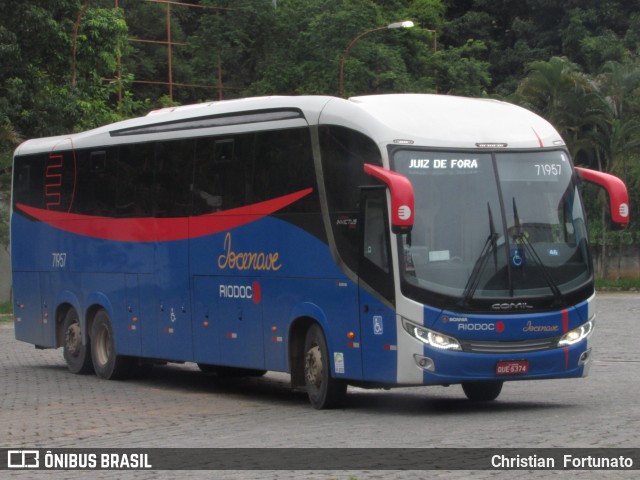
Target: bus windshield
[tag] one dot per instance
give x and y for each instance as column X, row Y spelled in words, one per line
column 492, row 225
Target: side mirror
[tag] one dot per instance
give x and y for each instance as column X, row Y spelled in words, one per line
column 617, row 191
column 402, row 198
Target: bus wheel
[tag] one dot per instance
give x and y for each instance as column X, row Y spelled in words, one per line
column 77, row 355
column 323, row 390
column 482, row 391
column 106, row 363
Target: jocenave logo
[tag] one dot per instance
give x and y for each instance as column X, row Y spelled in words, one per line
column 540, row 328
column 263, row 261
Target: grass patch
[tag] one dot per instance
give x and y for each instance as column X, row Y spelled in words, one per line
column 6, row 308
column 621, row 285
column 6, row 312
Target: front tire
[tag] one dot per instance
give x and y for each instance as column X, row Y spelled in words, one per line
column 482, row 391
column 76, row 355
column 323, row 390
column 106, row 363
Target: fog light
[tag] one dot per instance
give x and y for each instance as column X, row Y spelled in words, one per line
column 424, row 362
column 584, row 358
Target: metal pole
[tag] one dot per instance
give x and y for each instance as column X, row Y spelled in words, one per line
column 219, row 78
column 169, row 50
column 346, row 53
column 403, row 24
column 119, row 59
column 75, row 42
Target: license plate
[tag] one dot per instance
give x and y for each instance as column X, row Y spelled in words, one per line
column 513, row 367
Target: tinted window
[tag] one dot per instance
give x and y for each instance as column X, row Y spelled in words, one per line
column 28, row 180
column 46, row 181
column 220, row 175
column 250, row 168
column 344, row 153
column 97, row 182
column 284, row 165
column 173, row 178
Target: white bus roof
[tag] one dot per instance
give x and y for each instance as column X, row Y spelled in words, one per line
column 439, row 121
column 444, row 121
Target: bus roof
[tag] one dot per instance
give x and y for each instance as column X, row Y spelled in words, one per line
column 440, row 121
column 443, row 121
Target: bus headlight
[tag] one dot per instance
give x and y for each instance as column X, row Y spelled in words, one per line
column 577, row 335
column 431, row 338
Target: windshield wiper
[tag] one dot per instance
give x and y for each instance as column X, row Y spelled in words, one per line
column 491, row 245
column 521, row 238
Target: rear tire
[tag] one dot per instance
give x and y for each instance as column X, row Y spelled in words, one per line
column 77, row 355
column 323, row 390
column 482, row 391
column 106, row 363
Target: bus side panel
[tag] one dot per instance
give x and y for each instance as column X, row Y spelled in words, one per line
column 331, row 302
column 131, row 340
column 228, row 322
column 261, row 273
column 206, row 344
column 148, row 316
column 172, row 310
column 27, row 306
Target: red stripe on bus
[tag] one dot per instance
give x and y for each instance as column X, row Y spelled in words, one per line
column 149, row 229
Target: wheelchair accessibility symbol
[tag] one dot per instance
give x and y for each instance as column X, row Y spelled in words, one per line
column 378, row 328
column 517, row 257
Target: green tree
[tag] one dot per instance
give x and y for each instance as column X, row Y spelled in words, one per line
column 227, row 45
column 9, row 139
column 561, row 93
column 456, row 71
column 308, row 41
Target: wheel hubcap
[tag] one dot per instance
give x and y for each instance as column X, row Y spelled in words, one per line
column 313, row 366
column 73, row 339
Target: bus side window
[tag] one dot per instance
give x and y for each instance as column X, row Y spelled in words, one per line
column 375, row 247
column 344, row 153
column 134, row 194
column 375, row 235
column 282, row 165
column 28, row 180
column 173, row 174
column 97, row 183
column 219, row 179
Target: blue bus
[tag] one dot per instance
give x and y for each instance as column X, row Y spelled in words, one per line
column 377, row 241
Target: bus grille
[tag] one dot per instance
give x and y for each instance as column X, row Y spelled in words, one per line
column 537, row 345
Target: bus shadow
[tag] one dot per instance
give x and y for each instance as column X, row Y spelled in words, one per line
column 275, row 388
column 423, row 401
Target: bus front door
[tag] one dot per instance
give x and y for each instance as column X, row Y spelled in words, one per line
column 377, row 315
